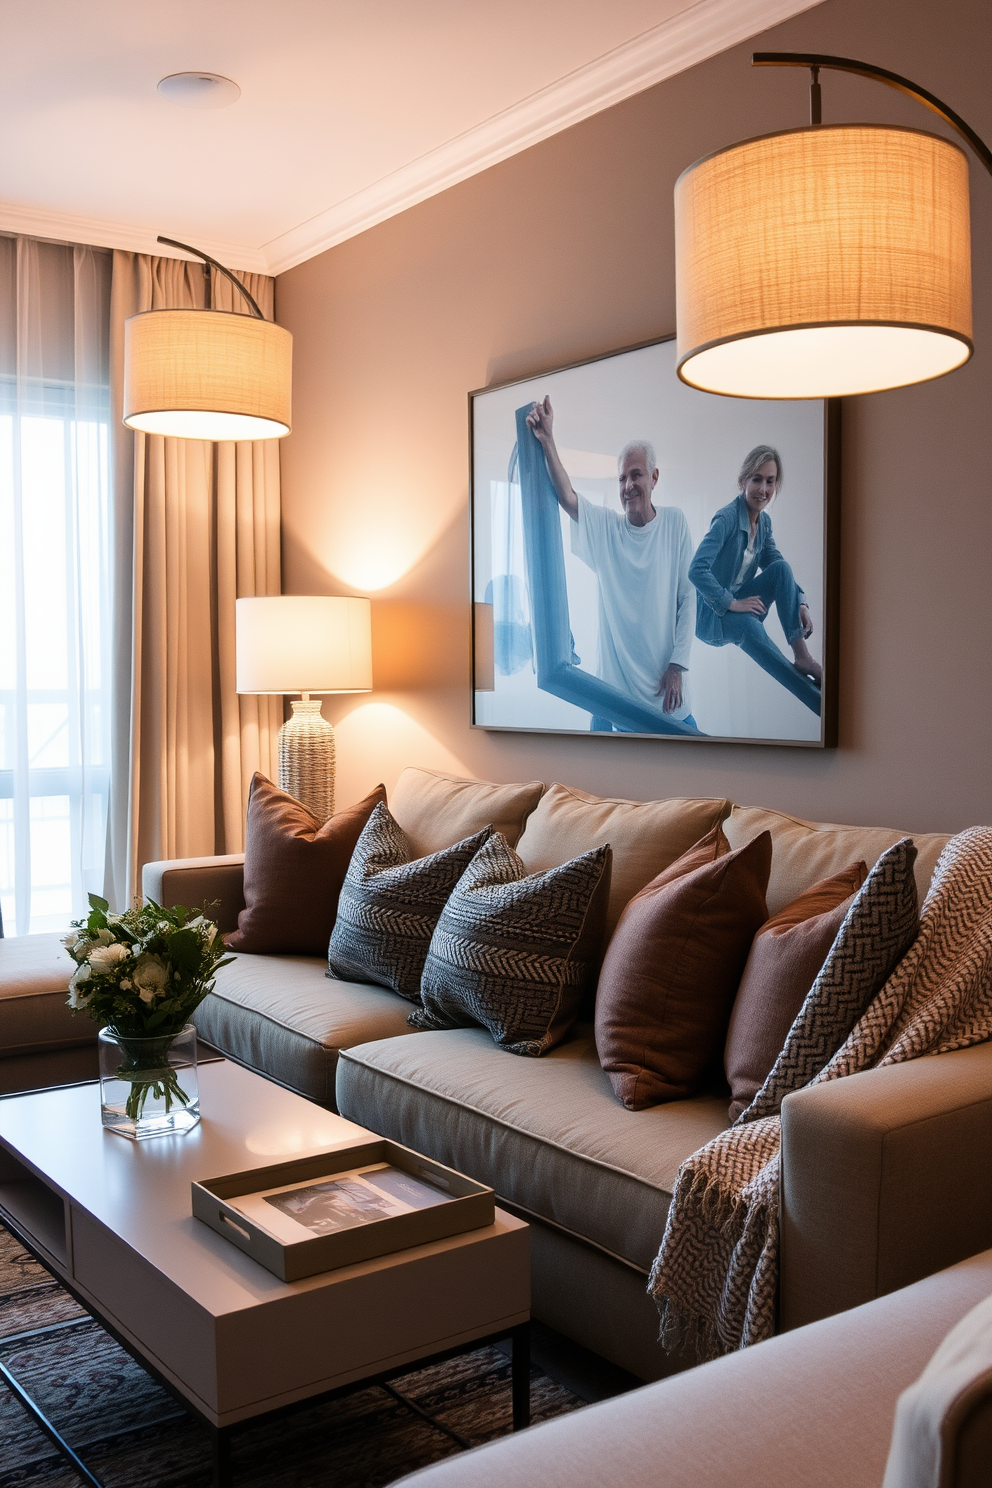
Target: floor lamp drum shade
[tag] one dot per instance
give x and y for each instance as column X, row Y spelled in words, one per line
column 297, row 643
column 207, row 374
column 823, row 262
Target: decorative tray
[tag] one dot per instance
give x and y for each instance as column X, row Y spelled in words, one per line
column 336, row 1208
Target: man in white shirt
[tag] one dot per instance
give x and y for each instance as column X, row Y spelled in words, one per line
column 641, row 556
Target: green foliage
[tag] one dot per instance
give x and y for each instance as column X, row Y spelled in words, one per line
column 144, row 972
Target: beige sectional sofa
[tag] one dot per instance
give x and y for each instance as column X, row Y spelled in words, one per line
column 813, row 1408
column 877, row 1170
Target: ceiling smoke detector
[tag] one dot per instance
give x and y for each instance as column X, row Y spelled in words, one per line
column 202, row 90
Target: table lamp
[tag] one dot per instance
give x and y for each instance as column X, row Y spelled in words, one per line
column 293, row 643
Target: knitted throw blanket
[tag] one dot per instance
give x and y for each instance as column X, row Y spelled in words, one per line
column 715, row 1277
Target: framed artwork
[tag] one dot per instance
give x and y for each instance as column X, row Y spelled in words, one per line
column 651, row 560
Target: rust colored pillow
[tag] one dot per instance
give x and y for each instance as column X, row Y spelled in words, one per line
column 294, row 868
column 785, row 960
column 673, row 966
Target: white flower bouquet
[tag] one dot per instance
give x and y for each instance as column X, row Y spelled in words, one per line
column 141, row 975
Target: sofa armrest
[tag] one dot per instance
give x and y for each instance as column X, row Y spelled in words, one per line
column 885, row 1180
column 199, row 882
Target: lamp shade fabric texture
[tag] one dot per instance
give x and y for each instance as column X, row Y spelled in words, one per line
column 390, row 903
column 785, row 957
column 294, row 868
column 672, row 970
column 304, row 643
column 207, row 374
column 859, row 278
column 515, row 952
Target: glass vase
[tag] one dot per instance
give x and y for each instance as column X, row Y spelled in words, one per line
column 148, row 1086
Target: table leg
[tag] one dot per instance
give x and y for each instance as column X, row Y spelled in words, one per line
column 220, row 1441
column 520, row 1376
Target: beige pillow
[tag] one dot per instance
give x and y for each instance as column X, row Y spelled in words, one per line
column 436, row 811
column 804, row 852
column 646, row 836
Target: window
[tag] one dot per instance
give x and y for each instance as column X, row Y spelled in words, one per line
column 55, row 568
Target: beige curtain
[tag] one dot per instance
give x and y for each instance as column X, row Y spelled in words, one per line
column 197, row 526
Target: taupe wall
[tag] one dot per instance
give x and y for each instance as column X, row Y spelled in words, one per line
column 565, row 251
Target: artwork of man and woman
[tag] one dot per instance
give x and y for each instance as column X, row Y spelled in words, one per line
column 653, row 564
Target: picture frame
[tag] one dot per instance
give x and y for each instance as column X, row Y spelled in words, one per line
column 676, row 604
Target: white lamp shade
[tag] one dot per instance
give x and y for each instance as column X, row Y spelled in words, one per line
column 294, row 643
column 822, row 262
column 207, row 374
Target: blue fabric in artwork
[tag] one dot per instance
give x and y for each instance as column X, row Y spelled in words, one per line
column 553, row 651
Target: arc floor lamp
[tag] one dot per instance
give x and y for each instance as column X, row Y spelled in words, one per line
column 208, row 374
column 860, row 278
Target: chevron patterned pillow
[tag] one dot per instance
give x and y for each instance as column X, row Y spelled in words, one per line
column 515, row 953
column 389, row 905
column 878, row 930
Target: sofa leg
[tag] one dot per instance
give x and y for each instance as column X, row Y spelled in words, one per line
column 520, row 1376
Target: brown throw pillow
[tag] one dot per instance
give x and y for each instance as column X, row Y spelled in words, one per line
column 673, row 966
column 294, row 868
column 785, row 958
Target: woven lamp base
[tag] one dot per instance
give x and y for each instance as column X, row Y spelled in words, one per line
column 307, row 757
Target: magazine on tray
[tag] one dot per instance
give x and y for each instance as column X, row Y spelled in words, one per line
column 322, row 1206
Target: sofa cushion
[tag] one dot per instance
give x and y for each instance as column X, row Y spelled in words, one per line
column 294, row 868
column 947, row 1413
column 34, row 982
column 547, row 1134
column 390, row 903
column 804, row 852
column 284, row 1016
column 672, row 969
column 877, row 931
column 436, row 810
column 516, row 952
column 646, row 836
column 785, row 958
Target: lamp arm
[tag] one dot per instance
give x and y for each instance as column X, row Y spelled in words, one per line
column 880, row 75
column 219, row 266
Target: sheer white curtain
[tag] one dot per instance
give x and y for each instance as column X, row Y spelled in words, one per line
column 55, row 580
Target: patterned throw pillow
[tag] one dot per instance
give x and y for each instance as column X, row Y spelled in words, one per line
column 878, row 930
column 515, row 953
column 389, row 906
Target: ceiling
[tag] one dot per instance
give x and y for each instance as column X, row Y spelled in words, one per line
column 348, row 113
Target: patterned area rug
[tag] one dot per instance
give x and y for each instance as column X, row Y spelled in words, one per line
column 129, row 1431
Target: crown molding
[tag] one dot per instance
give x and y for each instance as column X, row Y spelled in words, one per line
column 701, row 31
column 63, row 227
column 709, row 27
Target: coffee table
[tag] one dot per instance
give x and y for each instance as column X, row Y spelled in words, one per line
column 111, row 1219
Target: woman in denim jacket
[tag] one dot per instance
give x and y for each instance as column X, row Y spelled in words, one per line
column 739, row 573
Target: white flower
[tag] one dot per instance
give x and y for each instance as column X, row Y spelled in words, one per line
column 207, row 929
column 107, row 958
column 150, row 976
column 69, row 939
column 101, row 938
column 78, row 998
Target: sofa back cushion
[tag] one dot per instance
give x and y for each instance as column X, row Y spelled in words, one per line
column 646, row 836
column 785, row 958
column 436, row 810
column 673, row 966
column 805, row 852
column 294, row 868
